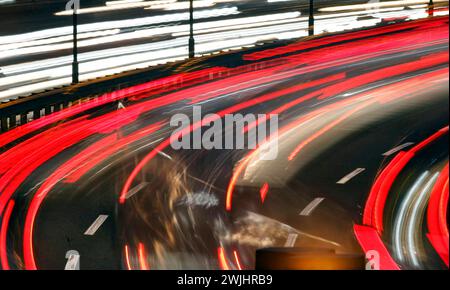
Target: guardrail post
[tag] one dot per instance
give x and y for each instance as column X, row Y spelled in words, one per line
column 23, row 118
column 311, row 18
column 191, row 29
column 36, row 114
column 431, row 8
column 12, row 121
column 75, row 71
column 4, row 124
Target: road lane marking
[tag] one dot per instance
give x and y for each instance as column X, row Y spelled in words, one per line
column 292, row 238
column 120, row 106
column 398, row 148
column 165, row 155
column 350, row 176
column 96, row 225
column 311, row 206
column 136, row 189
column 73, row 260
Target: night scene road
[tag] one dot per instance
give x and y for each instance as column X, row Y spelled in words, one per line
column 361, row 143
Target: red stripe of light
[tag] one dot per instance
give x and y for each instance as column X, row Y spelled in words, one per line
column 374, row 208
column 263, row 192
column 143, row 257
column 236, row 258
column 369, row 240
column 222, row 259
column 437, row 216
column 4, row 234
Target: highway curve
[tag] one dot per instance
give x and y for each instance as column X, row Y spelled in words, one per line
column 362, row 162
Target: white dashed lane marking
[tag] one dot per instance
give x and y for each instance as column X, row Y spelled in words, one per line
column 350, row 176
column 292, row 238
column 136, row 189
column 311, row 206
column 398, row 148
column 96, row 225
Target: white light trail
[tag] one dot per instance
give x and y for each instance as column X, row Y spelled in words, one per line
column 415, row 219
column 115, row 6
column 119, row 24
column 401, row 216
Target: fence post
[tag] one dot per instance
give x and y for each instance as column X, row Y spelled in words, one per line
column 75, row 71
column 191, row 29
column 431, row 8
column 311, row 18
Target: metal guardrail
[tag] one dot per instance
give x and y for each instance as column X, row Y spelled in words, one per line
column 23, row 110
column 27, row 109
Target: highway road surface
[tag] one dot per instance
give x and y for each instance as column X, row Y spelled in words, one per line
column 361, row 164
